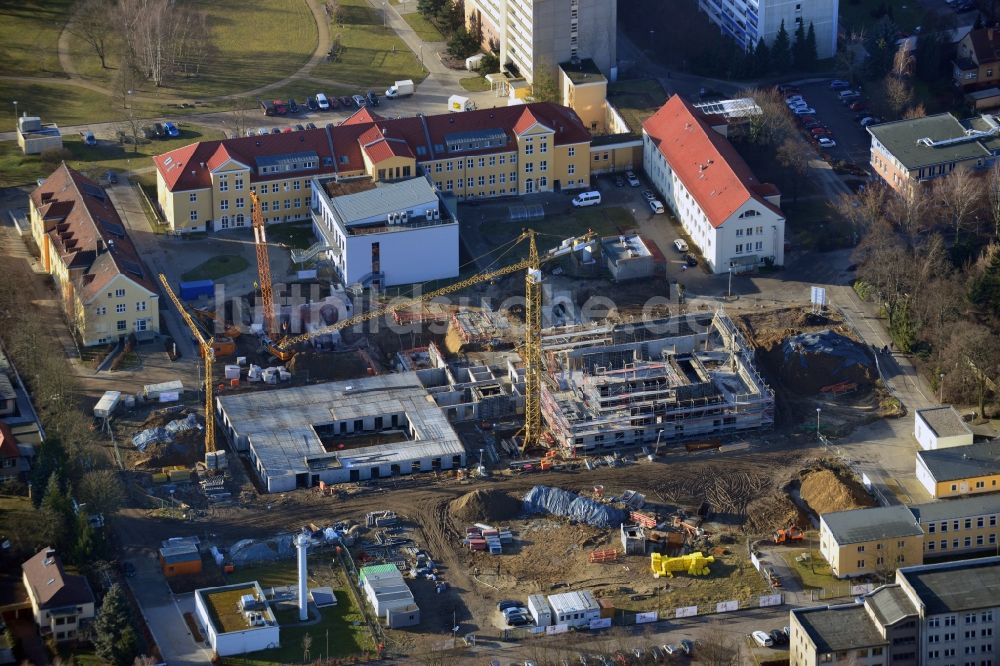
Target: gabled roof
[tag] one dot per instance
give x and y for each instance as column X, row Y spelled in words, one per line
column 51, row 586
column 87, row 232
column 704, row 160
column 8, row 445
column 340, row 147
column 985, row 45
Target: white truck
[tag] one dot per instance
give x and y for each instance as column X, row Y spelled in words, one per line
column 459, row 103
column 400, row 89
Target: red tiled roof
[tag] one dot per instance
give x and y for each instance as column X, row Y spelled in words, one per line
column 189, row 168
column 384, row 149
column 87, row 232
column 8, row 445
column 704, row 160
column 53, row 587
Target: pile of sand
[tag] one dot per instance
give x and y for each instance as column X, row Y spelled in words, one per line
column 485, row 506
column 825, row 491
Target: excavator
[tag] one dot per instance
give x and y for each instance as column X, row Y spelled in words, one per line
column 791, row 534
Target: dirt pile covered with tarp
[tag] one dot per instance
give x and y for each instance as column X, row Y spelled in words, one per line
column 557, row 502
column 812, row 361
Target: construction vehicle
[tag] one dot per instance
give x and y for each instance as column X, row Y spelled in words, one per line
column 530, row 351
column 207, row 348
column 790, row 534
column 270, row 331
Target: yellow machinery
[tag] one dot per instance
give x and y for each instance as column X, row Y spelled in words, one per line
column 264, row 278
column 531, row 351
column 694, row 564
column 207, row 348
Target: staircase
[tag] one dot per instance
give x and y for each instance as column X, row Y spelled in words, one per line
column 302, row 256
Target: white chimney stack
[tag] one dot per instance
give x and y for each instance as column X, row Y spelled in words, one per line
column 302, row 545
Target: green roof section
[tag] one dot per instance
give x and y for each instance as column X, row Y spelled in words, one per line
column 376, row 569
column 903, row 139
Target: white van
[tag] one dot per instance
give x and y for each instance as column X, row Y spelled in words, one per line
column 587, row 199
column 322, row 102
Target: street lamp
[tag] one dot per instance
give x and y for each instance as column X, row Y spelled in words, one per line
column 941, row 388
column 730, row 295
column 15, row 113
column 817, row 422
column 383, row 14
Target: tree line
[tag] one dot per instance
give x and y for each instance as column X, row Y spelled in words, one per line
column 931, row 259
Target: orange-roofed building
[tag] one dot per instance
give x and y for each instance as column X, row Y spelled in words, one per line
column 733, row 218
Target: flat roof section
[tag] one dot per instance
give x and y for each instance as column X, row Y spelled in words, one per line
column 862, row 525
column 901, row 139
column 953, row 509
column 839, row 628
column 953, row 587
column 280, row 423
column 962, row 462
column 582, row 70
column 944, row 421
column 223, row 604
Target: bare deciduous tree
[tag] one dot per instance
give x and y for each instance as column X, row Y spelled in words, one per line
column 92, row 22
column 898, row 94
column 160, row 37
column 774, row 123
column 993, row 197
column 917, row 111
column 238, row 118
column 794, row 156
column 959, row 195
column 972, row 361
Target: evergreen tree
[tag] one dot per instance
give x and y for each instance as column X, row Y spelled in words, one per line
column 985, row 288
column 51, row 459
column 762, row 56
column 58, row 521
column 86, row 546
column 114, row 639
column 799, row 48
column 781, row 51
column 811, row 52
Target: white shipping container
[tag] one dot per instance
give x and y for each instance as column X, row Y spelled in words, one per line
column 232, row 372
column 107, row 404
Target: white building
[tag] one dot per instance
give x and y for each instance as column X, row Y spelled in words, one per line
column 939, row 428
column 734, row 219
column 61, row 603
column 750, row 21
column 540, row 610
column 389, row 595
column 236, row 619
column 533, row 33
column 296, row 437
column 393, row 233
column 574, row 609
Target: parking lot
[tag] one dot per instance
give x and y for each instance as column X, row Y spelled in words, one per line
column 853, row 141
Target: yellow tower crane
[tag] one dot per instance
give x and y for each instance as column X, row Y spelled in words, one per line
column 263, row 266
column 207, row 348
column 531, row 349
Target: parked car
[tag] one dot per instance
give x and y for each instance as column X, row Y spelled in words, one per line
column 293, row 106
column 287, row 130
column 159, row 131
column 839, row 84
column 690, row 259
column 656, row 207
column 299, row 127
column 261, row 131
column 359, row 101
column 648, row 195
column 346, row 101
column 681, row 245
column 787, row 89
column 865, row 122
column 312, row 103
column 826, row 142
column 619, row 181
column 632, row 179
column 812, row 124
column 670, row 649
column 251, row 132
column 334, row 102
column 796, row 103
column 507, row 603
column 171, row 129
column 687, row 646
column 111, row 177
column 821, row 131
column 848, row 94
column 804, row 111
column 322, row 102
column 310, row 125
column 858, row 106
column 275, row 130
column 372, row 98
column 761, row 639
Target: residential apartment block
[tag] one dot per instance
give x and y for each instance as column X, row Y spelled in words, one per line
column 734, row 219
column 878, row 540
column 962, row 470
column 933, row 615
column 535, row 34
column 506, row 151
column 106, row 291
column 749, row 21
column 907, row 152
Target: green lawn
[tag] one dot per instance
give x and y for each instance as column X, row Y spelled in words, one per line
column 475, row 83
column 425, row 30
column 815, row 572
column 859, row 14
column 217, row 267
column 19, row 522
column 371, row 56
column 29, row 32
column 256, row 42
column 293, row 235
column 55, row 103
column 17, row 169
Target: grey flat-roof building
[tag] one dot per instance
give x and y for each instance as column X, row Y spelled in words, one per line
column 367, row 428
column 940, row 428
column 933, row 615
column 960, row 470
column 863, row 525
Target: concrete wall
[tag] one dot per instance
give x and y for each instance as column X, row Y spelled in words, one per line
column 406, row 257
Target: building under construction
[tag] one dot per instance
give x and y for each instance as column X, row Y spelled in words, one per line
column 690, row 376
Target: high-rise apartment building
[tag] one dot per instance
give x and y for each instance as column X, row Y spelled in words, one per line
column 747, row 21
column 543, row 33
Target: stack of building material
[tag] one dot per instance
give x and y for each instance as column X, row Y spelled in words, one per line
column 604, row 555
column 643, row 519
column 381, row 519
